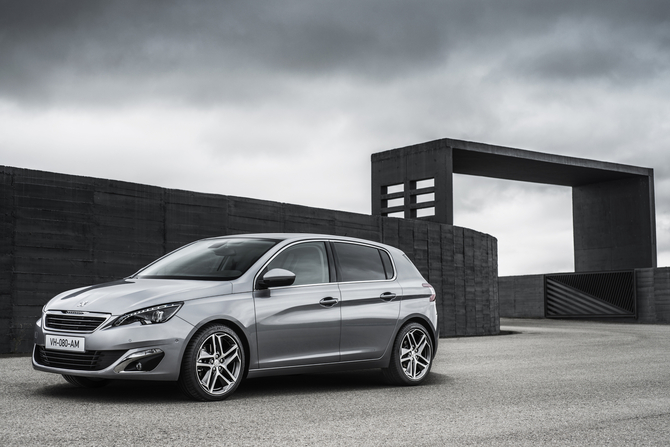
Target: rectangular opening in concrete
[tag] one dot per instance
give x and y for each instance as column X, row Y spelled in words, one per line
column 426, row 183
column 532, row 222
column 395, row 202
column 425, row 212
column 392, row 189
column 422, row 198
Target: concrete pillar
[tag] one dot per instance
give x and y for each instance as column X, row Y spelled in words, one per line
column 614, row 226
column 405, row 180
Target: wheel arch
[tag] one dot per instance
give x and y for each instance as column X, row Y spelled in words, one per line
column 235, row 326
column 423, row 321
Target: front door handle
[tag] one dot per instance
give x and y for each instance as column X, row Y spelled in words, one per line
column 328, row 301
column 387, row 296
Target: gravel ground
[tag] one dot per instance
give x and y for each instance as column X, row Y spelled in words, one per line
column 548, row 383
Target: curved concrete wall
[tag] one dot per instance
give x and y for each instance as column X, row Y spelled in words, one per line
column 461, row 264
column 61, row 231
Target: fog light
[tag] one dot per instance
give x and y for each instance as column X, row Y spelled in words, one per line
column 140, row 361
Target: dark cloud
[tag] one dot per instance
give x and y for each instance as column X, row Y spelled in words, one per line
column 237, row 50
column 193, row 90
column 189, row 47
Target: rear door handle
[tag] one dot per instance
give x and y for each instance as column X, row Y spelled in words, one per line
column 328, row 301
column 387, row 296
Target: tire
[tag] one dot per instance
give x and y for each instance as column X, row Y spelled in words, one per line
column 213, row 364
column 412, row 356
column 86, row 382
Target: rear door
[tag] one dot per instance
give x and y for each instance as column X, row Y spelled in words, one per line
column 370, row 300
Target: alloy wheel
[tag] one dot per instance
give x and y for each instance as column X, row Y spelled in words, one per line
column 415, row 354
column 219, row 364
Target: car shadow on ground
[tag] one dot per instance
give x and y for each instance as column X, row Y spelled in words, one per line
column 323, row 383
column 127, row 391
column 118, row 391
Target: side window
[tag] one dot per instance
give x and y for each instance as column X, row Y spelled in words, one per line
column 309, row 262
column 388, row 265
column 361, row 262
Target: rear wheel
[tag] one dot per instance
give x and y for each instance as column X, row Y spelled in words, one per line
column 213, row 364
column 412, row 356
column 86, row 382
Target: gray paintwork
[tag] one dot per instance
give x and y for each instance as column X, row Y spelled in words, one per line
column 285, row 330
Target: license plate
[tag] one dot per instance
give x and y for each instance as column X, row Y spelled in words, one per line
column 64, row 343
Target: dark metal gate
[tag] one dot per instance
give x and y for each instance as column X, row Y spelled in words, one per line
column 583, row 295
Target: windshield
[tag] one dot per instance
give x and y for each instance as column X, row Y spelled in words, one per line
column 216, row 260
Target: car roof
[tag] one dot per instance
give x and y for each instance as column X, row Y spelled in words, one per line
column 291, row 237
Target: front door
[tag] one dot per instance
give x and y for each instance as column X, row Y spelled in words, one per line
column 299, row 324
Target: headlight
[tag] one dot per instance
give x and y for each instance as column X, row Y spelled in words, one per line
column 150, row 315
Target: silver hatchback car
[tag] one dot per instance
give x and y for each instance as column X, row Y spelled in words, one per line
column 218, row 310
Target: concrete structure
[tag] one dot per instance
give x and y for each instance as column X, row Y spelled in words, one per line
column 523, row 296
column 613, row 212
column 59, row 232
column 614, row 221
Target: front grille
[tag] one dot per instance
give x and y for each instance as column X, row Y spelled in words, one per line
column 80, row 361
column 73, row 322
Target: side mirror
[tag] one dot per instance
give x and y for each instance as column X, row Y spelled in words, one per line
column 276, row 278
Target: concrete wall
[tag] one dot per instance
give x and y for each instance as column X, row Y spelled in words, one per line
column 405, row 166
column 613, row 225
column 653, row 292
column 523, row 296
column 59, row 232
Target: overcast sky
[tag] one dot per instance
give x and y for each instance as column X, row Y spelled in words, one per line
column 287, row 100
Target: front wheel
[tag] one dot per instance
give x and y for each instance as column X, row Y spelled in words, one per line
column 412, row 356
column 213, row 364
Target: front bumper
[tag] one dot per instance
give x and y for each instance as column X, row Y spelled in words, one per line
column 137, row 352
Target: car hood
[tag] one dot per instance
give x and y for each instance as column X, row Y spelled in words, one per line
column 126, row 295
